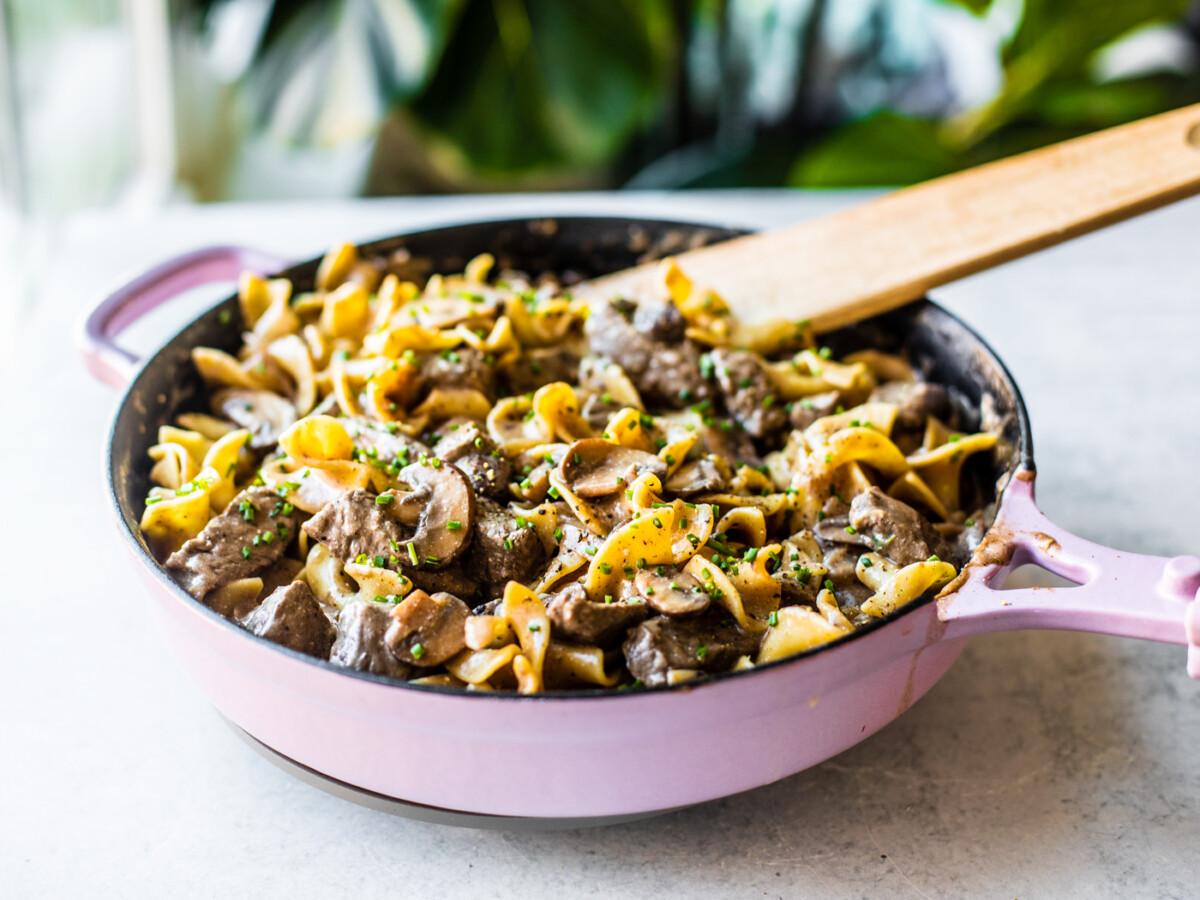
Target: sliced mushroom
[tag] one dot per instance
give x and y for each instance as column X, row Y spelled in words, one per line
column 264, row 413
column 838, row 530
column 700, row 476
column 441, row 506
column 595, row 467
column 672, row 593
column 427, row 630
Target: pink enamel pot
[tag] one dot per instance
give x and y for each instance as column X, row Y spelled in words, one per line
column 605, row 755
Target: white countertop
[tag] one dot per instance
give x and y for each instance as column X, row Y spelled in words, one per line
column 1044, row 765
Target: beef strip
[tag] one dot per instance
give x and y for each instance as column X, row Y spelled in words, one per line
column 840, row 551
column 385, row 444
column 577, row 618
column 732, row 444
column 663, row 643
column 797, row 586
column 748, row 394
column 539, row 367
column 662, row 322
column 451, row 580
column 281, row 573
column 489, row 562
column 362, row 626
column 665, row 372
column 461, row 368
column 916, row 400
column 895, row 529
column 807, row 410
column 292, row 617
column 842, row 561
column 355, row 524
column 226, row 551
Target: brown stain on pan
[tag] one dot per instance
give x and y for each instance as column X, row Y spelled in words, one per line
column 1045, row 542
column 996, row 549
column 933, row 633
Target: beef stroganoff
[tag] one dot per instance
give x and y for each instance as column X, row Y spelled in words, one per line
column 483, row 482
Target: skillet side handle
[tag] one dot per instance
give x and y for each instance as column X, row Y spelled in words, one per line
column 1150, row 597
column 98, row 327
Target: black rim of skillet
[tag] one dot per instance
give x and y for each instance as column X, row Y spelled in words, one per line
column 152, row 397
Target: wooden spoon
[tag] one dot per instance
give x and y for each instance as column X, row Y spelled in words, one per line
column 892, row 250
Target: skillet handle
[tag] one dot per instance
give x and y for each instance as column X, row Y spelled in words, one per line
column 1151, row 597
column 97, row 328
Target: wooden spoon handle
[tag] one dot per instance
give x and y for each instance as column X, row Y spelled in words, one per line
column 892, row 250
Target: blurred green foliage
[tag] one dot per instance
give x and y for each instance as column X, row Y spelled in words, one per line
column 1050, row 92
column 537, row 84
column 517, row 93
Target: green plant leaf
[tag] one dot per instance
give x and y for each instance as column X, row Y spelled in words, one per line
column 534, row 85
column 1056, row 39
column 883, row 149
column 975, row 7
column 1088, row 107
